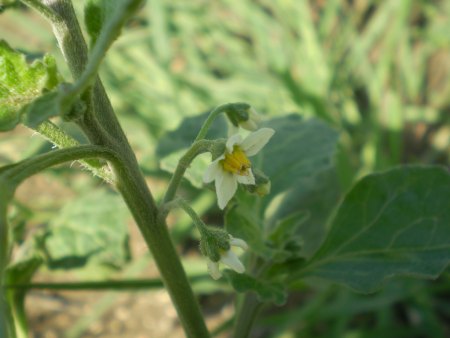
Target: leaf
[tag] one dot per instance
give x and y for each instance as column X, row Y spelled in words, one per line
column 185, row 134
column 90, row 227
column 240, row 222
column 299, row 149
column 21, row 83
column 396, row 223
column 317, row 196
column 265, row 291
column 287, row 227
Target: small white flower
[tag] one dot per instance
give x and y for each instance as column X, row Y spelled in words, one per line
column 229, row 258
column 253, row 119
column 233, row 166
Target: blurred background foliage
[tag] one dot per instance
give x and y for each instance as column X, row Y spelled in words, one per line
column 376, row 71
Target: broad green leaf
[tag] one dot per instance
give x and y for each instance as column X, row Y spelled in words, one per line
column 396, row 223
column 265, row 291
column 318, row 197
column 185, row 134
column 92, row 226
column 21, row 83
column 299, row 149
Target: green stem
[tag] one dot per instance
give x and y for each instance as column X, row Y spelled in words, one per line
column 108, row 35
column 131, row 284
column 45, row 11
column 200, row 146
column 246, row 315
column 18, row 172
column 201, row 226
column 16, row 301
column 212, row 116
column 59, row 138
column 102, row 128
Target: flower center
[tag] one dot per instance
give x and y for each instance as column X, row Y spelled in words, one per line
column 236, row 162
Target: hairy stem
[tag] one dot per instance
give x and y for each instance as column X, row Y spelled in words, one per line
column 45, row 11
column 101, row 126
column 20, row 171
column 212, row 116
column 59, row 138
column 196, row 149
column 108, row 34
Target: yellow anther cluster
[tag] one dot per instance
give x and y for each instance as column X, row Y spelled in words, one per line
column 236, row 162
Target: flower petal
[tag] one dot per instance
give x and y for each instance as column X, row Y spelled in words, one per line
column 212, row 171
column 226, row 186
column 246, row 179
column 213, row 269
column 253, row 119
column 232, row 140
column 240, row 243
column 256, row 140
column 230, row 259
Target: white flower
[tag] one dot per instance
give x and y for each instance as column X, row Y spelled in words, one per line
column 253, row 119
column 229, row 258
column 233, row 166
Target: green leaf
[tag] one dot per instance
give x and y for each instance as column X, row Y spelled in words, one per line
column 21, row 83
column 91, row 227
column 265, row 291
column 185, row 134
column 391, row 224
column 318, row 197
column 242, row 223
column 287, row 227
column 299, row 149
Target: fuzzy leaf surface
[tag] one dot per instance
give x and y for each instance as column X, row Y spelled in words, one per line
column 21, row 83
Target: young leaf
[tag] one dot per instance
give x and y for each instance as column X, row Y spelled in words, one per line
column 391, row 224
column 21, row 83
column 265, row 291
column 240, row 222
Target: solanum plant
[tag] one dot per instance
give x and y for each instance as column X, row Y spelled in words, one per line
column 394, row 223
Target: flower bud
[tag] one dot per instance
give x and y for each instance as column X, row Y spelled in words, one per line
column 243, row 115
column 213, row 242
